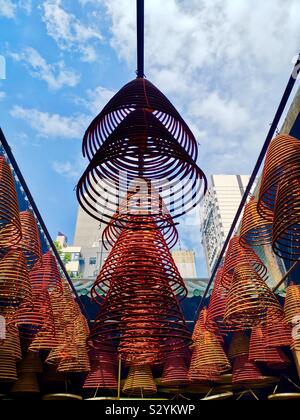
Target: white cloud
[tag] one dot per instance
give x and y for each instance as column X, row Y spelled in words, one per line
column 2, row 95
column 68, row 32
column 68, row 169
column 96, row 99
column 56, row 75
column 52, row 125
column 26, row 6
column 7, row 9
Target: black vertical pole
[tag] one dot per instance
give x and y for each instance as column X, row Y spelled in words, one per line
column 140, row 37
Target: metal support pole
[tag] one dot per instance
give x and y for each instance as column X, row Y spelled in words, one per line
column 140, row 37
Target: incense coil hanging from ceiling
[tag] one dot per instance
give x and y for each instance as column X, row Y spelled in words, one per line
column 140, row 382
column 292, row 304
column 239, row 346
column 30, row 244
column 45, row 275
column 245, row 372
column 255, row 231
column 103, row 374
column 200, row 326
column 176, row 372
column 10, row 225
column 282, row 163
column 278, row 333
column 286, row 236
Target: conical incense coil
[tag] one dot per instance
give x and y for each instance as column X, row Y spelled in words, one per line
column 11, row 345
column 259, row 352
column 292, row 304
column 245, row 372
column 286, row 236
column 175, row 372
column 200, row 326
column 282, row 161
column 27, row 383
column 255, row 230
column 31, row 363
column 203, row 374
column 138, row 94
column 250, row 299
column 46, row 275
column 140, row 382
column 103, row 374
column 79, row 364
column 141, row 153
column 10, row 225
column 237, row 255
column 14, row 281
column 239, row 346
column 278, row 333
column 30, row 243
column 8, row 368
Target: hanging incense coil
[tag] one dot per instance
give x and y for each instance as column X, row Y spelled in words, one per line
column 250, row 299
column 140, row 382
column 8, row 368
column 245, row 372
column 30, row 243
column 103, row 374
column 282, row 163
column 292, row 304
column 259, row 352
column 278, row 333
column 79, row 364
column 10, row 225
column 255, row 230
column 31, row 363
column 175, row 371
column 27, row 383
column 239, row 346
column 14, row 282
column 200, row 326
column 286, row 237
column 11, row 345
column 46, row 275
column 236, row 254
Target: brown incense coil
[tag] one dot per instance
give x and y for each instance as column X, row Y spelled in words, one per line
column 259, row 352
column 203, row 374
column 295, row 344
column 46, row 275
column 11, row 345
column 175, row 372
column 278, row 333
column 200, row 326
column 30, row 243
column 239, row 346
column 31, row 363
column 237, row 255
column 10, row 225
column 245, row 372
column 140, row 382
column 27, row 383
column 103, row 374
column 8, row 368
column 255, row 231
column 14, row 281
column 282, row 163
column 286, row 236
column 78, row 364
column 250, row 299
column 292, row 304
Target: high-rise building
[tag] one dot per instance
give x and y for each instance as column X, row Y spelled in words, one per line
column 186, row 263
column 219, row 209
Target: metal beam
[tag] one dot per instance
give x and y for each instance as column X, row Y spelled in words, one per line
column 140, row 7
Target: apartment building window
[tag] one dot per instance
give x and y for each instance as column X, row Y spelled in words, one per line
column 93, row 261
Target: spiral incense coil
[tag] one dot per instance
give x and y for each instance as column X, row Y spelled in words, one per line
column 8, row 368
column 295, row 345
column 250, row 299
column 238, row 255
column 286, row 237
column 239, row 346
column 143, row 95
column 282, row 163
column 46, row 275
column 292, row 304
column 203, row 374
column 255, row 230
column 142, row 154
column 10, row 225
column 80, row 364
column 175, row 372
column 27, row 383
column 259, row 352
column 103, row 374
column 11, row 345
column 245, row 372
column 278, row 333
column 140, row 382
column 14, row 281
column 30, row 244
column 200, row 326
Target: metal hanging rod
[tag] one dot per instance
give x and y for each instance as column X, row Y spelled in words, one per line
column 140, row 6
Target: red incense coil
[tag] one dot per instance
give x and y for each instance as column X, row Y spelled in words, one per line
column 30, row 243
column 14, row 281
column 175, row 372
column 239, row 346
column 255, row 230
column 236, row 255
column 245, row 372
column 46, row 275
column 292, row 304
column 10, row 225
column 278, row 333
column 259, row 352
column 103, row 374
column 140, row 382
column 250, row 300
column 200, row 326
column 286, row 236
column 282, row 163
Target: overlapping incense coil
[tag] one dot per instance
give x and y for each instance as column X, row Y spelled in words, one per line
column 103, row 374
column 245, row 372
column 11, row 345
column 14, row 281
column 250, row 300
column 27, row 383
column 200, row 326
column 30, row 244
column 237, row 255
column 282, row 163
column 292, row 304
column 260, row 352
column 31, row 363
column 176, row 372
column 8, row 368
column 278, row 333
column 45, row 276
column 10, row 225
column 286, row 236
column 140, row 382
column 255, row 230
column 239, row 346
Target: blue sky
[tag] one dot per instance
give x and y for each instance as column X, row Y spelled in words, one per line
column 224, row 64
